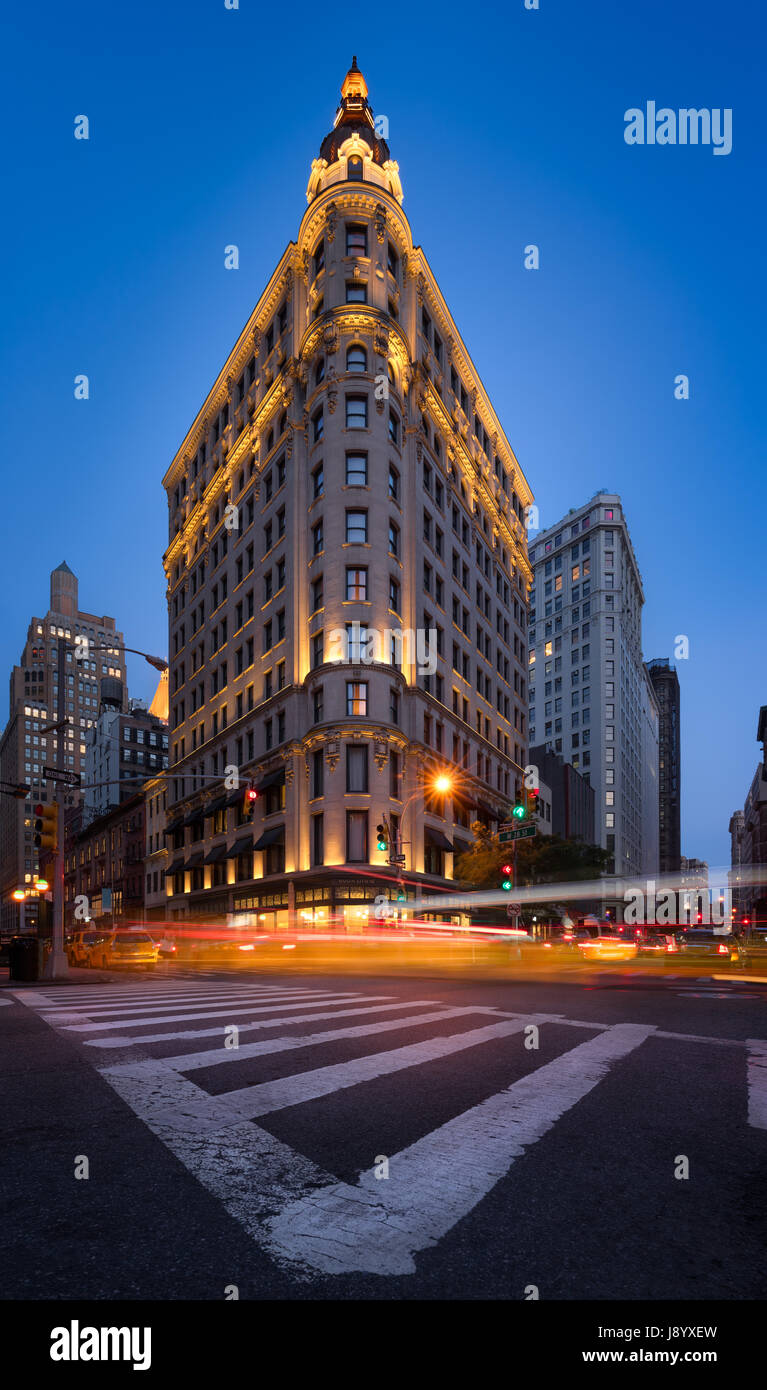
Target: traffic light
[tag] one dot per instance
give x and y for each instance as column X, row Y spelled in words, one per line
column 519, row 811
column 506, row 870
column 382, row 831
column 249, row 802
column 531, row 799
column 47, row 826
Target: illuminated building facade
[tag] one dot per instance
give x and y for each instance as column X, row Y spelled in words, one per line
column 35, row 700
column 345, row 488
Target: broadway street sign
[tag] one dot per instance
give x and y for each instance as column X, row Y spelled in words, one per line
column 55, row 774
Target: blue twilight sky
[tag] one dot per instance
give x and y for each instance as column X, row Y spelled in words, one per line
column 508, row 128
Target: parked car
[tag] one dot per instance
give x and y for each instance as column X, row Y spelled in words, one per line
column 753, row 946
column 81, row 945
column 697, row 943
column 126, row 948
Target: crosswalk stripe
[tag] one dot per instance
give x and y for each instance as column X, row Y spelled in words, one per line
column 216, row 997
column 260, row 1023
column 268, row 1096
column 193, row 1061
column 757, row 1082
column 378, row 1226
column 217, row 1012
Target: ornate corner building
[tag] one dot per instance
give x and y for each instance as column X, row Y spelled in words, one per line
column 347, row 575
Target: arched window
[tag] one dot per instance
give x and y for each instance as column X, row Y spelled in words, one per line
column 354, row 169
column 356, row 358
column 319, row 373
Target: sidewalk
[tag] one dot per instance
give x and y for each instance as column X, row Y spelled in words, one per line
column 75, row 976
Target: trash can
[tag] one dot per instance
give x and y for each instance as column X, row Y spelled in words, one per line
column 23, row 958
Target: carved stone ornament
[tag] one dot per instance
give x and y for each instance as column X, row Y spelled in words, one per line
column 330, row 338
column 332, row 754
column 289, row 281
column 381, row 756
column 305, row 266
column 421, row 288
column 330, row 221
column 381, row 342
column 256, row 340
column 379, row 221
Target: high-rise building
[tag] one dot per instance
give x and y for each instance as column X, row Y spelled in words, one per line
column 665, row 683
column 590, row 696
column 66, row 654
column 345, row 489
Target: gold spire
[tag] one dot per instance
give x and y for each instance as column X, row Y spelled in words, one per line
column 354, row 84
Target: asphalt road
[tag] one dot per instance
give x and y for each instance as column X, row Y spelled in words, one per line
column 378, row 1137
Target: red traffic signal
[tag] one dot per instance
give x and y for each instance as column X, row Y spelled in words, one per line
column 248, row 801
column 506, row 868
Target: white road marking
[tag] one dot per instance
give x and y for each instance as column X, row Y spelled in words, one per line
column 217, row 1012
column 264, row 1099
column 95, row 1011
column 757, row 1082
column 378, row 1226
column 193, row 1061
column 366, row 1009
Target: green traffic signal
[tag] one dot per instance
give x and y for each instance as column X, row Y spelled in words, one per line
column 506, row 884
column 519, row 812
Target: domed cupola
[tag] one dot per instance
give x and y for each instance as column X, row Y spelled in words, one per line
column 355, row 150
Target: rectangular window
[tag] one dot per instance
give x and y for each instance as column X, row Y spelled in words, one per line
column 318, row 541
column 318, row 773
column 356, row 698
column 356, row 584
column 356, row 837
column 356, row 470
column 356, row 768
column 318, row 840
column 356, row 528
column 356, row 292
column 356, row 412
column 356, row 239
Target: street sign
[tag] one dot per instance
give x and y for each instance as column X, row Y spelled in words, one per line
column 513, row 909
column 55, row 774
column 520, row 832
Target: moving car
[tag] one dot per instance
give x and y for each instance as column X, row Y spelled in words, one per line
column 697, row 943
column 125, row 948
column 753, row 946
column 601, row 940
column 656, row 942
column 81, row 946
column 165, row 943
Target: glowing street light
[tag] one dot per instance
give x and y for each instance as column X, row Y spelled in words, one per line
column 19, row 894
column 443, row 783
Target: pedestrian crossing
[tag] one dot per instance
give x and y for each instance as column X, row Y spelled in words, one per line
column 201, row 1062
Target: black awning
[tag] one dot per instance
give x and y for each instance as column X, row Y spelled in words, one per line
column 242, row 846
column 215, row 855
column 272, row 779
column 173, row 824
column 193, row 816
column 213, row 806
column 275, row 836
column 236, row 798
column 437, row 839
column 176, row 865
column 195, row 861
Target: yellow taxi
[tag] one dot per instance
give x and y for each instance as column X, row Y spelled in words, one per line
column 125, row 947
column 602, row 940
